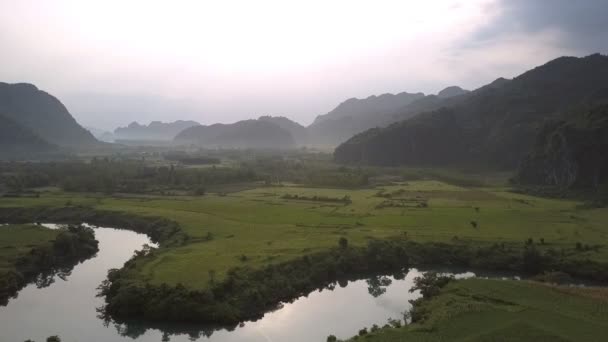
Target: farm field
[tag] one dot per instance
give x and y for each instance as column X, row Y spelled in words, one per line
column 265, row 225
column 506, row 310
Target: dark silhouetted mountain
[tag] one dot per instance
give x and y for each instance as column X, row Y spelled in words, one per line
column 43, row 115
column 451, row 92
column 570, row 153
column 494, row 125
column 16, row 140
column 156, row 130
column 356, row 115
column 298, row 132
column 256, row 134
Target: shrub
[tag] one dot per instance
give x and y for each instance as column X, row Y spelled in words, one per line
column 343, row 243
column 430, row 284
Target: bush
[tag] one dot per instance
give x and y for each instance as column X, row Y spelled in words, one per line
column 430, row 284
column 343, row 243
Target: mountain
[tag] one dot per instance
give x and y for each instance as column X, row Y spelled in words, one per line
column 356, row 115
column 494, row 125
column 256, row 134
column 571, row 153
column 100, row 134
column 297, row 131
column 43, row 115
column 451, row 92
column 156, row 130
column 16, row 140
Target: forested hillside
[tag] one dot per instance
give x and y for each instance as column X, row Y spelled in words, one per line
column 494, row 126
column 43, row 115
column 570, row 153
column 18, row 141
column 260, row 134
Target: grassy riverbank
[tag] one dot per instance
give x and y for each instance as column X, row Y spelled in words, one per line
column 258, row 227
column 505, row 310
column 27, row 251
column 249, row 231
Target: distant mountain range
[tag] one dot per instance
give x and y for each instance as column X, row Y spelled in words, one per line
column 156, row 130
column 357, row 115
column 495, row 125
column 255, row 134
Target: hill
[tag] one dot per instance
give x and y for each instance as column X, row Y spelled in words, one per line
column 156, row 130
column 493, row 126
column 297, row 131
column 258, row 134
column 356, row 115
column 571, row 153
column 451, row 92
column 43, row 115
column 16, row 140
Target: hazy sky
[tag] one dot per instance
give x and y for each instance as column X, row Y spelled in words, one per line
column 115, row 61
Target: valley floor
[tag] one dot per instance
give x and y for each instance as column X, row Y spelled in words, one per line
column 258, row 227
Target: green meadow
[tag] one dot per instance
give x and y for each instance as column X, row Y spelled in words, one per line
column 506, row 310
column 17, row 241
column 262, row 225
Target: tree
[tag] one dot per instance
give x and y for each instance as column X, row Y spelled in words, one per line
column 343, row 243
column 430, row 284
column 53, row 339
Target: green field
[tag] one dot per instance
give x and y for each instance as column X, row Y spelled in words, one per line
column 266, row 228
column 17, row 241
column 505, row 310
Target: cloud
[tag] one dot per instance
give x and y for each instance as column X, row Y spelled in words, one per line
column 581, row 25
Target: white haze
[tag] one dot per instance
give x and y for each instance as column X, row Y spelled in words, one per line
column 112, row 62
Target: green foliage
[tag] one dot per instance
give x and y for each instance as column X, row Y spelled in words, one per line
column 505, row 310
column 28, row 252
column 430, row 284
column 569, row 156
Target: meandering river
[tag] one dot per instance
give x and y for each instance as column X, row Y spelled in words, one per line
column 67, row 307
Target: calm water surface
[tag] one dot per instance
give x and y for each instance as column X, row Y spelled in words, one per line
column 68, row 307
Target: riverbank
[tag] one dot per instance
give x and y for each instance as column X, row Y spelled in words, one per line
column 503, row 310
column 29, row 253
column 246, row 294
column 212, row 246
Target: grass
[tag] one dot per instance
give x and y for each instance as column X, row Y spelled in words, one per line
column 18, row 240
column 259, row 224
column 505, row 310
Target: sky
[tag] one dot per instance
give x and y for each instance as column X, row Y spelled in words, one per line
column 116, row 61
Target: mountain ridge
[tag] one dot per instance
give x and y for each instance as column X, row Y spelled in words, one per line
column 494, row 125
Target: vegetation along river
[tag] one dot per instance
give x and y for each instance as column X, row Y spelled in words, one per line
column 68, row 306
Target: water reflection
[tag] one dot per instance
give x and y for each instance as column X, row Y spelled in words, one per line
column 68, row 307
column 341, row 309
